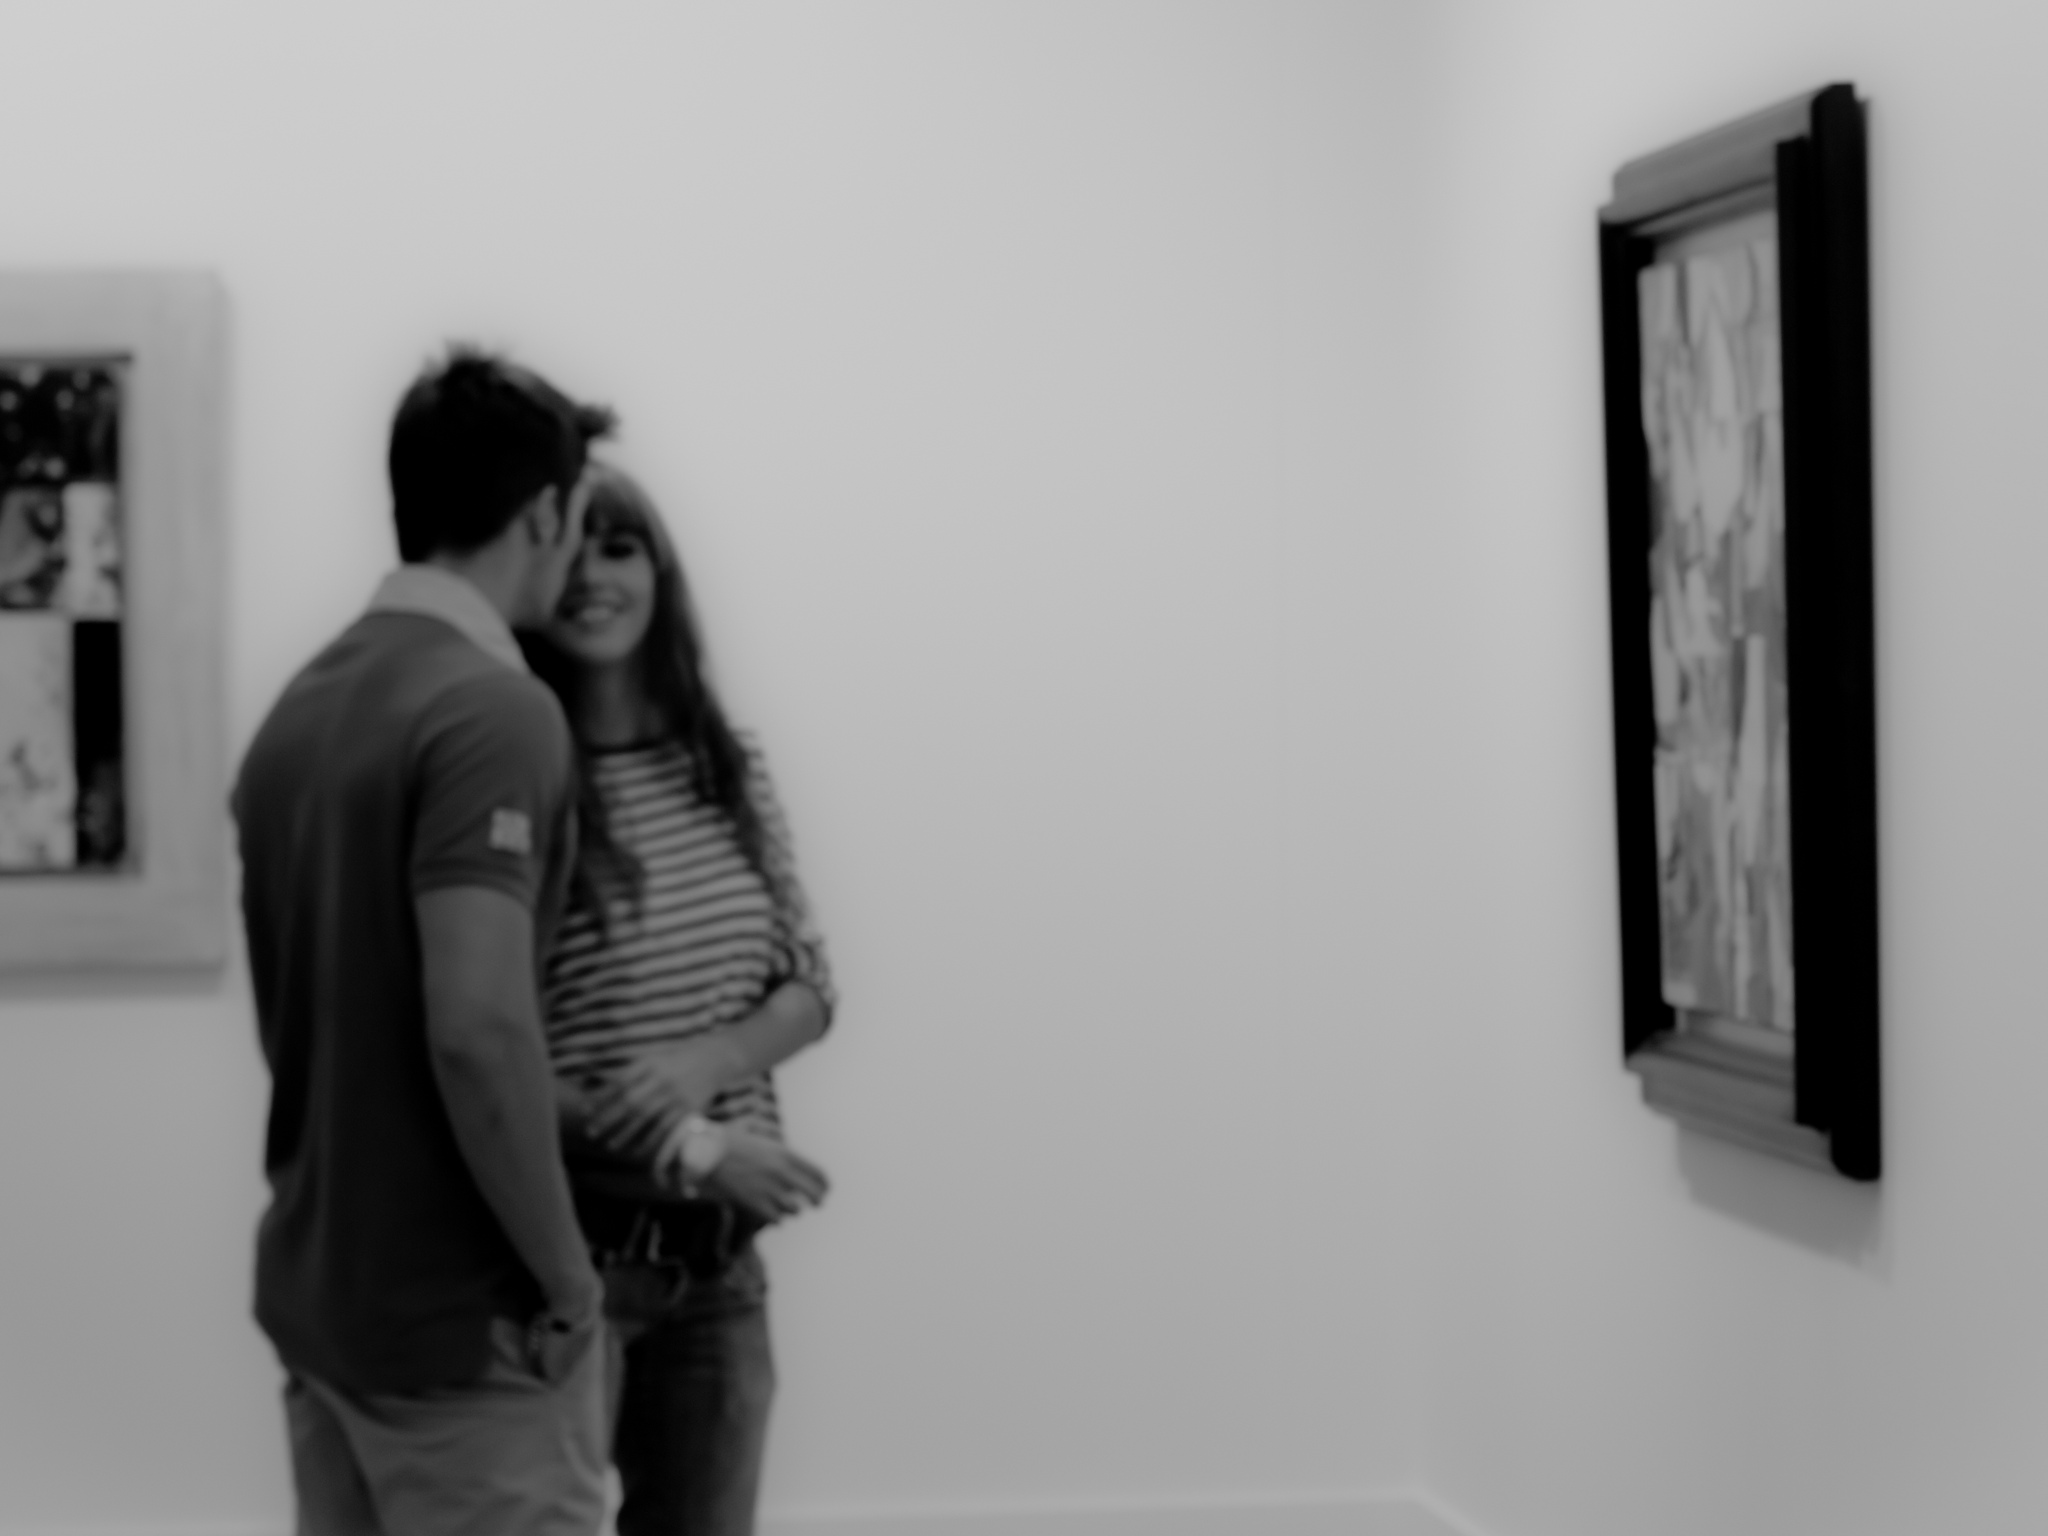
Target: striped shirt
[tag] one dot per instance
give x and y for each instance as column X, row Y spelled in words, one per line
column 703, row 944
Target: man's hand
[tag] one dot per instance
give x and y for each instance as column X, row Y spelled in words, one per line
column 575, row 1300
column 763, row 1177
column 631, row 1111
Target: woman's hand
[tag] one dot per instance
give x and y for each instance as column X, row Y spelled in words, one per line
column 634, row 1108
column 763, row 1177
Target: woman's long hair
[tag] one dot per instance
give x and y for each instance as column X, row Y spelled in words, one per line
column 671, row 665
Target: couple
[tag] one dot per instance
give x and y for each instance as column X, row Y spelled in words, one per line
column 525, row 940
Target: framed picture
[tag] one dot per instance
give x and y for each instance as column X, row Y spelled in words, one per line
column 1735, row 317
column 112, row 822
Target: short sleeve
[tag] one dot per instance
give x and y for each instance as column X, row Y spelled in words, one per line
column 799, row 946
column 491, row 786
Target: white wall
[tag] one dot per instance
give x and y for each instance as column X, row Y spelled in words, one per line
column 1634, row 1331
column 1142, row 468
column 1022, row 381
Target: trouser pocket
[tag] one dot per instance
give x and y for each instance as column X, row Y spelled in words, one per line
column 543, row 1349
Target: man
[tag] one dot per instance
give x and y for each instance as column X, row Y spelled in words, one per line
column 406, row 826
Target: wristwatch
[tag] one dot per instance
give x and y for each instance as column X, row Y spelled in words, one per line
column 702, row 1149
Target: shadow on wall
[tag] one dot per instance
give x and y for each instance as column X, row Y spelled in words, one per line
column 1830, row 1216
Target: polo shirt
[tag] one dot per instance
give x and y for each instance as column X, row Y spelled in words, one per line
column 414, row 753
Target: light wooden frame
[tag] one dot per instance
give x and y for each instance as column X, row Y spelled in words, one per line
column 170, row 908
column 1816, row 1102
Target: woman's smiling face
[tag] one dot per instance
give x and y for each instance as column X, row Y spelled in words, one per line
column 609, row 599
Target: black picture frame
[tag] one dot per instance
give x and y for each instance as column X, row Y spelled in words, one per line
column 1815, row 1098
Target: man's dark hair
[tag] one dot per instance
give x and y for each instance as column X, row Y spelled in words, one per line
column 475, row 439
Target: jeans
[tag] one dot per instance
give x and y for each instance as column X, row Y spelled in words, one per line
column 691, row 1378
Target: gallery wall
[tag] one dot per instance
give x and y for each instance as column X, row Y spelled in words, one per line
column 1635, row 1330
column 1023, row 382
column 1141, row 467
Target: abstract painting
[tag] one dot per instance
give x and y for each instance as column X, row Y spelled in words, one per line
column 62, row 781
column 1735, row 342
column 1713, row 419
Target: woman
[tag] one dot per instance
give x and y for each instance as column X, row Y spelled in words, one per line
column 685, row 969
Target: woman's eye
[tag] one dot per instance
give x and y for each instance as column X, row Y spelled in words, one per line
column 619, row 548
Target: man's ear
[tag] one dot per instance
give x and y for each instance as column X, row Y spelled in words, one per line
column 544, row 516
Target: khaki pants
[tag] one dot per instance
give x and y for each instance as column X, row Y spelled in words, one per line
column 510, row 1454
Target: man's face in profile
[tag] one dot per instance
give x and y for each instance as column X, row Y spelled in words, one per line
column 553, row 562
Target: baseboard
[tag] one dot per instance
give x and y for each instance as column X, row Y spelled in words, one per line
column 1340, row 1515
column 1334, row 1515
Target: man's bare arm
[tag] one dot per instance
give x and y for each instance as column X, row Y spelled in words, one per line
column 490, row 1060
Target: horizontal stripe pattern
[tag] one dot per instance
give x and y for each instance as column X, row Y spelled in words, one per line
column 705, row 942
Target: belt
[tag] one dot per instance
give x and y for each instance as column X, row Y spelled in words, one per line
column 702, row 1237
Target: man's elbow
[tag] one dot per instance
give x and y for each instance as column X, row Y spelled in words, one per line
column 475, row 1041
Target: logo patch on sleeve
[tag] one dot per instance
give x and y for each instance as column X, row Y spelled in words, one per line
column 511, row 831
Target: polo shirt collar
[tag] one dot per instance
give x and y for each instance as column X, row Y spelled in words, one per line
column 443, row 595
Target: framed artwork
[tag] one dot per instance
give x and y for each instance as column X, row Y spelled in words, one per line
column 112, row 821
column 1735, row 318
